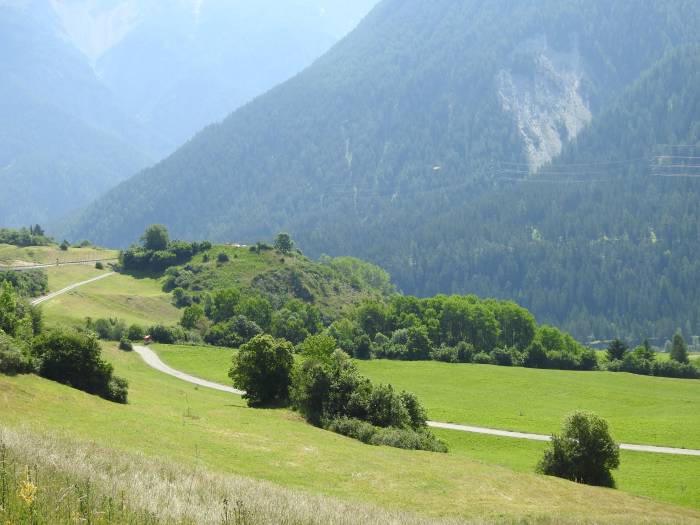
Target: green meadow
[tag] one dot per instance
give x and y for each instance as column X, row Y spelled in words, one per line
column 167, row 418
column 139, row 300
column 551, row 395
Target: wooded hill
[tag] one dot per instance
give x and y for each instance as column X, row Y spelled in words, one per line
column 502, row 149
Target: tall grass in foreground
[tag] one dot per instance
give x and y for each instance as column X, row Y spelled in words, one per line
column 46, row 480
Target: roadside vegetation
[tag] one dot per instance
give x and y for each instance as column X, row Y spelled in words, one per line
column 327, row 389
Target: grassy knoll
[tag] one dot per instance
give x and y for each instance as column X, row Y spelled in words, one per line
column 640, row 409
column 292, row 275
column 171, row 419
column 12, row 255
column 135, row 300
column 668, row 478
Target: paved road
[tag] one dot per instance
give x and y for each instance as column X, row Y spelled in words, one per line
column 50, row 296
column 150, row 357
column 154, row 361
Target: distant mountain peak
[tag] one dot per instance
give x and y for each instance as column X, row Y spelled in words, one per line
column 94, row 26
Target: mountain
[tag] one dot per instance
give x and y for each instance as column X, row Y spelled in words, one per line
column 64, row 140
column 95, row 90
column 449, row 141
column 179, row 66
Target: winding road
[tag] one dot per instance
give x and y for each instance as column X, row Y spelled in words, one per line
column 152, row 359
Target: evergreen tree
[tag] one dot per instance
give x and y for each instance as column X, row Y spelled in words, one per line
column 617, row 350
column 679, row 350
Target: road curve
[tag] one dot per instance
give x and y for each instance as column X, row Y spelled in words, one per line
column 152, row 359
column 50, row 296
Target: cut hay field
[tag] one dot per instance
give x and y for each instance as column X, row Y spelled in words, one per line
column 133, row 299
column 178, row 422
column 667, row 478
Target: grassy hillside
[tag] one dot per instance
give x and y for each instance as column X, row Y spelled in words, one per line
column 167, row 418
column 534, row 401
column 15, row 256
column 112, row 486
column 135, row 300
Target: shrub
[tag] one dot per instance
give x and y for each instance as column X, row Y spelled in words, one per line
column 675, row 369
column 136, row 333
column 64, row 246
column 126, row 345
column 482, row 358
column 501, row 357
column 222, row 258
column 167, row 335
column 74, row 359
column 14, row 358
column 584, row 452
column 118, row 390
column 408, row 439
column 108, row 329
column 263, row 368
column 446, row 354
column 99, row 266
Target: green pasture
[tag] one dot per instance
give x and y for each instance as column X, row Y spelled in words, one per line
column 170, row 419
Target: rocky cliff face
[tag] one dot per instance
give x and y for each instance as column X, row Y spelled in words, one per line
column 543, row 92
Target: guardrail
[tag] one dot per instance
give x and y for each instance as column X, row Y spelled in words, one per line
column 53, row 265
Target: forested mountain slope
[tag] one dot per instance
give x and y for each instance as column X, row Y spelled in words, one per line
column 427, row 141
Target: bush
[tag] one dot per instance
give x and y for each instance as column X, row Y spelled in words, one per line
column 446, row 354
column 75, row 359
column 108, row 329
column 675, row 369
column 263, row 368
column 14, row 358
column 584, row 452
column 136, row 333
column 126, row 345
column 501, row 357
column 165, row 334
column 222, row 258
column 403, row 438
column 483, row 358
column 118, row 390
column 99, row 266
column 64, row 246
